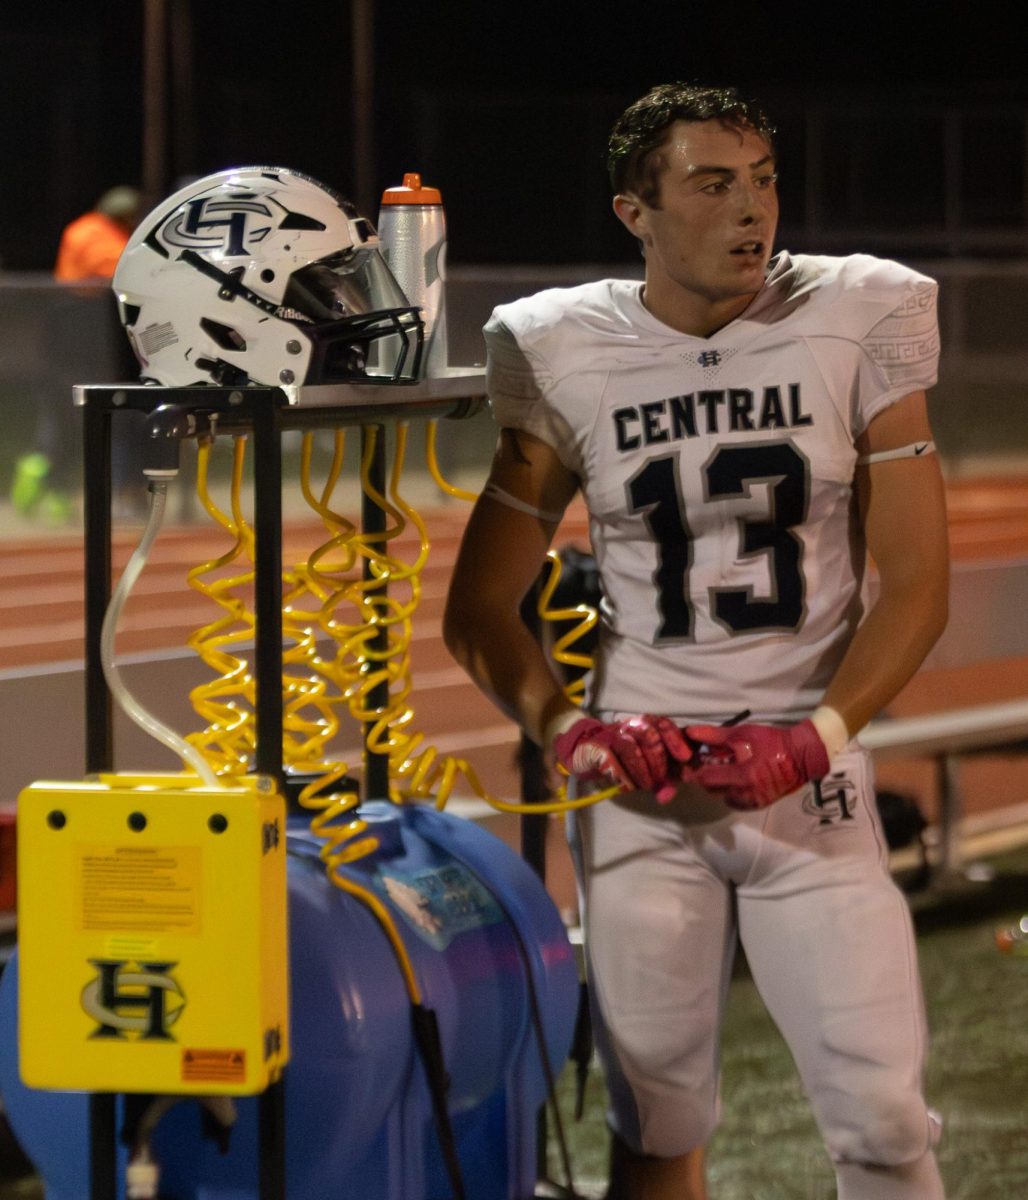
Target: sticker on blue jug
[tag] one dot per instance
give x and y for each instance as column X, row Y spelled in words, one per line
column 440, row 902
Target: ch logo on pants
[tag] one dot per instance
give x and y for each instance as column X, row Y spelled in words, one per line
column 135, row 1000
column 833, row 801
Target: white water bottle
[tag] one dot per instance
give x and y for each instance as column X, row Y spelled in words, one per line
column 412, row 233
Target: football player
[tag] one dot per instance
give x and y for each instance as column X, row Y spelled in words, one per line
column 745, row 428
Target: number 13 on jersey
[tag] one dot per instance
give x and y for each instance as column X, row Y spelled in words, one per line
column 730, row 472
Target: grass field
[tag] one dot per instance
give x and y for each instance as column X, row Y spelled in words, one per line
column 768, row 1148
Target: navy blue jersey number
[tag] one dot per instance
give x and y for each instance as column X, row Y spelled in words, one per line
column 729, row 473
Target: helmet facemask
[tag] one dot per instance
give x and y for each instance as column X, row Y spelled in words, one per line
column 357, row 318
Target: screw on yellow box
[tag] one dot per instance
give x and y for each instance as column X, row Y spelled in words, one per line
column 152, row 936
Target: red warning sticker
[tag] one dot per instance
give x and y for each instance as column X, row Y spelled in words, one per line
column 213, row 1066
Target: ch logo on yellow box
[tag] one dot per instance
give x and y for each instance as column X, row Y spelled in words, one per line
column 134, row 1000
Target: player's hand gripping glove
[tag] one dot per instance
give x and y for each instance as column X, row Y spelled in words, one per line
column 752, row 766
column 641, row 753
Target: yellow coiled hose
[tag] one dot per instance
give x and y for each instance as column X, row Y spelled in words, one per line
column 419, row 771
column 326, row 579
column 372, row 646
column 227, row 702
column 312, row 709
column 363, row 596
column 331, row 576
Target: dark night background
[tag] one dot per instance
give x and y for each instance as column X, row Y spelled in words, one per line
column 506, row 107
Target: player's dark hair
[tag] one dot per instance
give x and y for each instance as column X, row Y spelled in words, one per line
column 632, row 159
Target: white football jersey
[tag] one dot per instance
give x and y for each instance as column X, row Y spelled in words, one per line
column 718, row 471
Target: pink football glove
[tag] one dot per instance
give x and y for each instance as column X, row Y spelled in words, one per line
column 752, row 766
column 642, row 753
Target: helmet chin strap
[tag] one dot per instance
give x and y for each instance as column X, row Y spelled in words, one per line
column 224, row 374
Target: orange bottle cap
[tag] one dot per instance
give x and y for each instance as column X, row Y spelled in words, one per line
column 411, row 192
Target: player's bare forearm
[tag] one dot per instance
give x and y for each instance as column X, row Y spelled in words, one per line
column 501, row 555
column 507, row 664
column 888, row 649
column 904, row 514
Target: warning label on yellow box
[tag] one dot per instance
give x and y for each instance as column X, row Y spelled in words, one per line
column 213, row 1066
column 128, row 888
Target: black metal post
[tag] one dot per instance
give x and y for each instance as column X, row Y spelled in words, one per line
column 532, row 763
column 103, row 1147
column 96, row 445
column 267, row 479
column 271, row 1121
column 534, row 790
column 373, row 521
column 533, row 850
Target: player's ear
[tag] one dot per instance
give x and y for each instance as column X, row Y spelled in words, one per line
column 632, row 213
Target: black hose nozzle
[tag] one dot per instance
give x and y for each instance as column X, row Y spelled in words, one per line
column 166, row 428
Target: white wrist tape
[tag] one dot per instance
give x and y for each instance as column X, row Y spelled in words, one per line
column 561, row 723
column 497, row 493
column 914, row 450
column 831, row 729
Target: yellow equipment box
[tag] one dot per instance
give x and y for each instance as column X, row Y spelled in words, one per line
column 152, row 938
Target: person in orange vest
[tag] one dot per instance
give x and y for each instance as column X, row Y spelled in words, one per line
column 89, row 249
column 92, row 244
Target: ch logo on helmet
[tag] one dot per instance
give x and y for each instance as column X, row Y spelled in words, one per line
column 140, row 1000
column 231, row 226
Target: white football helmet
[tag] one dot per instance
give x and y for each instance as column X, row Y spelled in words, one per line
column 263, row 275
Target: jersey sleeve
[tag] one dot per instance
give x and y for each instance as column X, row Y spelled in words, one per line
column 518, row 382
column 901, row 350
